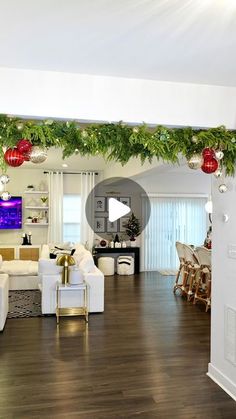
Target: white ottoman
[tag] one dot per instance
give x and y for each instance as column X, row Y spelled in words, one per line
column 3, row 299
column 125, row 265
column 106, row 265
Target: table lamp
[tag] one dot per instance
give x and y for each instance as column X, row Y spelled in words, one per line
column 65, row 261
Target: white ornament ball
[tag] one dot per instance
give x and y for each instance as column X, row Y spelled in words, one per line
column 5, row 196
column 223, row 188
column 37, row 154
column 218, row 173
column 4, row 179
column 195, row 162
column 219, row 154
column 194, row 139
column 20, row 126
column 84, row 134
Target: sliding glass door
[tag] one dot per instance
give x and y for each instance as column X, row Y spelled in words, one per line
column 172, row 219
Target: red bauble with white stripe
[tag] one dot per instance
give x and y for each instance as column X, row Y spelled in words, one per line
column 13, row 157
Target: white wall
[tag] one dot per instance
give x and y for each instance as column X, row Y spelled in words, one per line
column 223, row 288
column 86, row 97
column 177, row 182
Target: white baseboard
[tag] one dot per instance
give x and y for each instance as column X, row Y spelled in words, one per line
column 224, row 382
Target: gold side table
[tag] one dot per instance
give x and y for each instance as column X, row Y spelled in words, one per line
column 72, row 311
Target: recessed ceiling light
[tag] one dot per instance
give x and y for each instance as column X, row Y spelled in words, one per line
column 64, row 165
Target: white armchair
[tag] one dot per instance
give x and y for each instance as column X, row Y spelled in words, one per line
column 50, row 274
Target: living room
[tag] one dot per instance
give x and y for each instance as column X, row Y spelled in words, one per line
column 124, row 345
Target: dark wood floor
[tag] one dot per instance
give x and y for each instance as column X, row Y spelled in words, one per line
column 145, row 357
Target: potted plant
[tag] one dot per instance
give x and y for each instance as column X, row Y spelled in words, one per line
column 133, row 229
column 29, row 219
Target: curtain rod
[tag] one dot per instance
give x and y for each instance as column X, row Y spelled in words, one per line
column 72, row 173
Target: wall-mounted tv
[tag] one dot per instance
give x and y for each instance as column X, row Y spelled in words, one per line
column 11, row 213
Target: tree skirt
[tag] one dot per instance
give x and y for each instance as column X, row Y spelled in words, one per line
column 24, row 303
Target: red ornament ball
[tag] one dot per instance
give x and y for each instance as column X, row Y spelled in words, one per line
column 209, row 165
column 208, row 153
column 24, row 146
column 13, row 157
column 103, row 243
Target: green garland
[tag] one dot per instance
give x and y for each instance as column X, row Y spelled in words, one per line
column 119, row 141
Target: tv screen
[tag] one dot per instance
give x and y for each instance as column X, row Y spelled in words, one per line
column 11, row 213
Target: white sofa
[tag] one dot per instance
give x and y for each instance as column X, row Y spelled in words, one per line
column 3, row 299
column 50, row 274
column 23, row 274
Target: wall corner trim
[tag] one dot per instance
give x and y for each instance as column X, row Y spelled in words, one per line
column 224, row 382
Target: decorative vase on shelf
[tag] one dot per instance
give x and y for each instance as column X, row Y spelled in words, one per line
column 133, row 243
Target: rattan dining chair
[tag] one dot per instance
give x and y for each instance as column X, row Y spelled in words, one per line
column 179, row 277
column 191, row 269
column 203, row 286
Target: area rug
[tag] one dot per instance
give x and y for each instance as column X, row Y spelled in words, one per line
column 24, row 303
column 168, row 272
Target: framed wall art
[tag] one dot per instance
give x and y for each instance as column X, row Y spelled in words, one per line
column 125, row 200
column 123, row 222
column 99, row 203
column 112, row 227
column 99, row 225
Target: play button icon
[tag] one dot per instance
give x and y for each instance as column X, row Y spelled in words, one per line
column 116, row 209
column 112, row 203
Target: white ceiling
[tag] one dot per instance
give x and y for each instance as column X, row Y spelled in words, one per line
column 175, row 40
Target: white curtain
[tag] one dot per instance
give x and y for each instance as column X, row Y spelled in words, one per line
column 172, row 219
column 55, row 188
column 87, row 185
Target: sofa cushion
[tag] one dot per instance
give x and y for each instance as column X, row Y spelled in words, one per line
column 86, row 263
column 49, row 267
column 79, row 252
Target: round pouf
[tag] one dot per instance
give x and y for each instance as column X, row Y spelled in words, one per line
column 106, row 265
column 125, row 265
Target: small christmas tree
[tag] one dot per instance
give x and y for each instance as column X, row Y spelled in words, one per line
column 133, row 227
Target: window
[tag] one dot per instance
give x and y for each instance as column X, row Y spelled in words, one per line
column 172, row 219
column 71, row 218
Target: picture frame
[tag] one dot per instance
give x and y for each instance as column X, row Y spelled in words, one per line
column 126, row 200
column 123, row 220
column 99, row 225
column 112, row 227
column 99, row 203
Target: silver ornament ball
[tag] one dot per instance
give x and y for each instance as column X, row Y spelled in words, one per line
column 219, row 154
column 195, row 161
column 4, row 179
column 37, row 154
column 218, row 173
column 6, row 196
column 223, row 188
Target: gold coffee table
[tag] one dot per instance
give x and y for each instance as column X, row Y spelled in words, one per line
column 72, row 311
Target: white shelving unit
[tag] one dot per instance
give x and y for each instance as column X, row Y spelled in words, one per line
column 36, row 207
column 32, row 208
